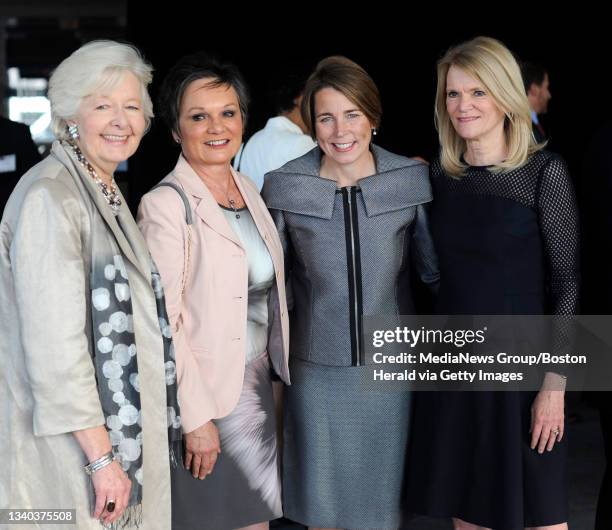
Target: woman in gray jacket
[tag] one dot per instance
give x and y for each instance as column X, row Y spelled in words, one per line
column 352, row 220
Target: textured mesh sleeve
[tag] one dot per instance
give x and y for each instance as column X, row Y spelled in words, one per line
column 558, row 215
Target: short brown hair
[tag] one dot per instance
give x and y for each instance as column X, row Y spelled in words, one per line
column 348, row 78
column 190, row 68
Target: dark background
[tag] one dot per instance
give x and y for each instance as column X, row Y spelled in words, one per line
column 398, row 45
column 398, row 51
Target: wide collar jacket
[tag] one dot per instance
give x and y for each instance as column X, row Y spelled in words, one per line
column 350, row 251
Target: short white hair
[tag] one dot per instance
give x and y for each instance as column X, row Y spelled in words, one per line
column 95, row 66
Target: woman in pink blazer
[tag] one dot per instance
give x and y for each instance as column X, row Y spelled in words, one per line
column 225, row 293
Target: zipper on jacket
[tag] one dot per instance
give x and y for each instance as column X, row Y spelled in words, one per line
column 353, row 254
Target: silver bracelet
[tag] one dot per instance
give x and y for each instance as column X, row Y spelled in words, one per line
column 98, row 464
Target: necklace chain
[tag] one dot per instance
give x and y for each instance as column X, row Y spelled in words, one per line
column 232, row 204
column 109, row 192
column 230, row 200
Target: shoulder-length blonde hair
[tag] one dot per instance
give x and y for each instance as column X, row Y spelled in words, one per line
column 492, row 64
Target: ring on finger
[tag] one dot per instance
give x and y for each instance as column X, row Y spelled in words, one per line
column 110, row 506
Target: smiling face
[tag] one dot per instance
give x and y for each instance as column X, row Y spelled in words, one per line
column 343, row 131
column 472, row 110
column 111, row 125
column 210, row 123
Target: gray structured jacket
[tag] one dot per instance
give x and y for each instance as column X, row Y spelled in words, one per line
column 349, row 251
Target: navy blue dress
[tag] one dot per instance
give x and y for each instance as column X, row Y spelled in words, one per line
column 507, row 244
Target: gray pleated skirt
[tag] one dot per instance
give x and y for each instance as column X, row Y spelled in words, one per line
column 344, row 449
column 244, row 487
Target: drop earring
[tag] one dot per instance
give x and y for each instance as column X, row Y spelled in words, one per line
column 73, row 131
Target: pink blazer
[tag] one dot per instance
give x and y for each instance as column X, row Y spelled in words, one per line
column 209, row 319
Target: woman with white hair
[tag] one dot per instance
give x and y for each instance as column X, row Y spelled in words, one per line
column 505, row 226
column 88, row 381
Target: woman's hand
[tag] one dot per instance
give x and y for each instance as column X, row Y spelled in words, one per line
column 202, row 447
column 547, row 419
column 111, row 484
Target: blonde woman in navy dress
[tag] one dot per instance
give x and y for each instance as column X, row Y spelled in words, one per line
column 504, row 222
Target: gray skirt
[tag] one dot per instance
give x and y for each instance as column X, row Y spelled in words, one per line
column 344, row 449
column 244, row 487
